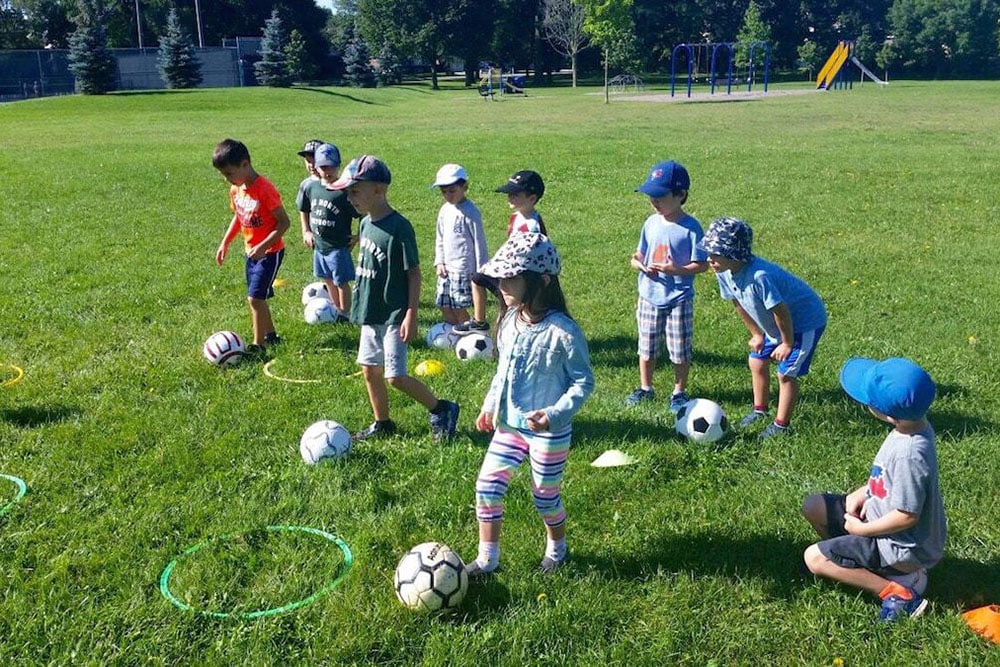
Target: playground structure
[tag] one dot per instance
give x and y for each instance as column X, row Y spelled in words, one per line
column 493, row 81
column 695, row 51
column 834, row 75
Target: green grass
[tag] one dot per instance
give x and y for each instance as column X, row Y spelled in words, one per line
column 885, row 200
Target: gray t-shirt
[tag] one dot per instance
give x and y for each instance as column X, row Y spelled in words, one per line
column 904, row 476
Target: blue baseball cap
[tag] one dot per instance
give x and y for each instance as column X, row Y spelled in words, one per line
column 896, row 387
column 364, row 168
column 664, row 179
column 326, row 155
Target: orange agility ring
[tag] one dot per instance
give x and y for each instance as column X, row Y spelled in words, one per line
column 14, row 381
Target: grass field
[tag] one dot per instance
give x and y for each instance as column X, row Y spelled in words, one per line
column 135, row 449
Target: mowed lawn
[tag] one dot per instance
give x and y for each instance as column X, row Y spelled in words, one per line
column 135, row 449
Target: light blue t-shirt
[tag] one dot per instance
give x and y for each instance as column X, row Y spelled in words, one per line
column 661, row 240
column 762, row 285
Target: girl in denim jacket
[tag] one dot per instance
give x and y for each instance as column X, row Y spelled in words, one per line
column 543, row 377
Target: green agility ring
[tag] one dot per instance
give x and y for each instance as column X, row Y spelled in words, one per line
column 274, row 611
column 22, row 489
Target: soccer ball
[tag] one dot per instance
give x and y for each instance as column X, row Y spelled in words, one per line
column 224, row 348
column 324, row 440
column 474, row 346
column 313, row 291
column 702, row 421
column 320, row 310
column 430, row 577
column 441, row 336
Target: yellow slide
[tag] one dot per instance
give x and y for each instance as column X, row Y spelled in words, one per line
column 833, row 65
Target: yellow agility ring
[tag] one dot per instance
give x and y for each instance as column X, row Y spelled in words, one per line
column 268, row 373
column 14, row 381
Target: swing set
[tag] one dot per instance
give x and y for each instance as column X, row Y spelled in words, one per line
column 712, row 56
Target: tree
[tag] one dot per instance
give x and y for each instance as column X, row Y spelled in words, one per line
column 808, row 57
column 14, row 29
column 300, row 67
column 272, row 68
column 90, row 61
column 390, row 68
column 178, row 63
column 357, row 63
column 609, row 24
column 753, row 30
column 563, row 22
column 945, row 37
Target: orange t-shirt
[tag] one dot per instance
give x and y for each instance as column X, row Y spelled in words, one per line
column 254, row 206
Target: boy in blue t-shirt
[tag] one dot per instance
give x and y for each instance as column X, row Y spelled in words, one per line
column 884, row 535
column 667, row 259
column 786, row 318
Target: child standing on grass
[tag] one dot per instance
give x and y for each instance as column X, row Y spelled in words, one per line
column 459, row 247
column 886, row 534
column 542, row 379
column 260, row 215
column 386, row 296
column 308, row 155
column 328, row 231
column 786, row 318
column 667, row 259
column 523, row 189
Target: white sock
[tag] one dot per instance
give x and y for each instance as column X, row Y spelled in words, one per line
column 489, row 556
column 555, row 549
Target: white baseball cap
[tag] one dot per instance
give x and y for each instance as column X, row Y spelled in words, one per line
column 450, row 174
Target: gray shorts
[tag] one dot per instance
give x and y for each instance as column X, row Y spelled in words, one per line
column 380, row 345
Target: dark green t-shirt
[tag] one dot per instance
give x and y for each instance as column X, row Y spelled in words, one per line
column 330, row 215
column 386, row 251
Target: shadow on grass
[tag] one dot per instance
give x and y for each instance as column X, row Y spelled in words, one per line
column 964, row 582
column 31, row 416
column 336, row 94
column 620, row 352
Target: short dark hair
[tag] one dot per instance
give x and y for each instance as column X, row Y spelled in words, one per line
column 230, row 153
column 460, row 181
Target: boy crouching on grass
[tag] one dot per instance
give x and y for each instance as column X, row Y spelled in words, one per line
column 886, row 534
column 259, row 214
column 386, row 296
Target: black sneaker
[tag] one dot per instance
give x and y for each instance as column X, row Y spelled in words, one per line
column 471, row 326
column 443, row 424
column 342, row 319
column 272, row 339
column 254, row 352
column 375, row 431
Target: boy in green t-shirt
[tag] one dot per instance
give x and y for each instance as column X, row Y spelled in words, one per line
column 386, row 296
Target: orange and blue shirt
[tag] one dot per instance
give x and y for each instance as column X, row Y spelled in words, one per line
column 254, row 204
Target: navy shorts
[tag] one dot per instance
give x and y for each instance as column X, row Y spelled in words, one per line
column 261, row 274
column 846, row 550
column 335, row 265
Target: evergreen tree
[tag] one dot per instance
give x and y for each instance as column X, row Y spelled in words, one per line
column 90, row 60
column 753, row 30
column 178, row 63
column 390, row 67
column 300, row 67
column 357, row 62
column 272, row 68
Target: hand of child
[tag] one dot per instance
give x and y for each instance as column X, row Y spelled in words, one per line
column 408, row 328
column 257, row 252
column 855, row 504
column 666, row 267
column 781, row 352
column 220, row 254
column 352, row 241
column 442, row 271
column 756, row 343
column 307, row 239
column 484, row 422
column 538, row 421
column 853, row 524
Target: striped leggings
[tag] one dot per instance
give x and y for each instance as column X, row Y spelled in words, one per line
column 508, row 449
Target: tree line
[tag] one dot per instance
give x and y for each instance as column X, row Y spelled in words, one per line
column 922, row 38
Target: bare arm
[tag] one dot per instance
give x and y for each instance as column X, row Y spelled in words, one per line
column 892, row 522
column 783, row 318
column 408, row 329
column 284, row 223
column 227, row 238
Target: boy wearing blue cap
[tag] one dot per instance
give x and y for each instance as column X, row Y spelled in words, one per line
column 386, row 297
column 326, row 228
column 884, row 535
column 785, row 316
column 667, row 259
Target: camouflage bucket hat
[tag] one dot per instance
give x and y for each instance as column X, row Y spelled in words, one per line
column 524, row 252
column 729, row 237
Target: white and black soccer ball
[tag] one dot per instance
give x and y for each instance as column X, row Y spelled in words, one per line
column 474, row 346
column 325, row 439
column 702, row 421
column 320, row 311
column 431, row 577
column 224, row 348
column 315, row 290
column 442, row 336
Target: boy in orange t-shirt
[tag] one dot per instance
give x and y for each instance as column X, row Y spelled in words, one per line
column 259, row 214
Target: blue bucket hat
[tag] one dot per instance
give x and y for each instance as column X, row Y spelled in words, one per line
column 664, row 179
column 729, row 237
column 896, row 387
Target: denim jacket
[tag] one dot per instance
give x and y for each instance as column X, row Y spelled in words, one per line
column 542, row 366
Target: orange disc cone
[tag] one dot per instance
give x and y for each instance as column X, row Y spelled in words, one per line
column 985, row 621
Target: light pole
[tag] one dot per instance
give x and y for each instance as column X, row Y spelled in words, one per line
column 138, row 23
column 197, row 18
